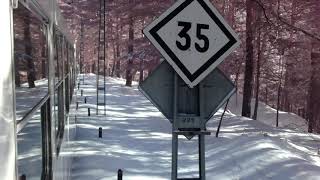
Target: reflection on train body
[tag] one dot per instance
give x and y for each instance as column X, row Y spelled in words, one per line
column 45, row 118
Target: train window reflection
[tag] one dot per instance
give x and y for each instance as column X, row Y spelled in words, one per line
column 59, row 102
column 66, row 59
column 58, row 40
column 56, row 110
column 30, row 59
column 30, row 149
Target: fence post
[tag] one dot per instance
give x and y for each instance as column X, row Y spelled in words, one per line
column 100, row 132
column 23, row 177
column 119, row 174
column 88, row 111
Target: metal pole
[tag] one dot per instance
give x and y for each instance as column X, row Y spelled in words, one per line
column 104, row 55
column 98, row 66
column 174, row 163
column 202, row 167
column 81, row 50
column 175, row 143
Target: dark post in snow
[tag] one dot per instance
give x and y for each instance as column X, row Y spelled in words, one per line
column 81, row 92
column 78, row 85
column 85, row 100
column 88, row 111
column 77, row 105
column 23, row 177
column 119, row 174
column 100, row 132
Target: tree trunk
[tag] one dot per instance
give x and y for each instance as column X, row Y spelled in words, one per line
column 141, row 71
column 314, row 95
column 28, row 49
column 247, row 88
column 129, row 69
column 93, row 67
column 256, row 104
column 114, row 60
column 43, row 58
column 266, row 96
column 278, row 104
column 279, row 87
column 118, row 54
column 16, row 72
column 285, row 100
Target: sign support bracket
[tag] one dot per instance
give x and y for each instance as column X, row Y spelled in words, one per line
column 175, row 141
column 201, row 147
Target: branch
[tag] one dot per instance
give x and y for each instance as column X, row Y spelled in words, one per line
column 283, row 21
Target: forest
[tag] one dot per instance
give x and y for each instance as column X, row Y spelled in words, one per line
column 278, row 61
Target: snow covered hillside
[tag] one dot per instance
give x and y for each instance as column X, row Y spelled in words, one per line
column 137, row 139
column 267, row 115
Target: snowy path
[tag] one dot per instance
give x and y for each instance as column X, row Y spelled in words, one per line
column 137, row 139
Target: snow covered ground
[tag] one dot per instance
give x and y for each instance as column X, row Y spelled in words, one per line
column 267, row 115
column 137, row 139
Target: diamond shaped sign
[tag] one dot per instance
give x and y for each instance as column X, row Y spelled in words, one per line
column 194, row 109
column 193, row 37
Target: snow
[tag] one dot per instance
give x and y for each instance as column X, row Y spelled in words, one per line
column 29, row 152
column 267, row 115
column 137, row 139
column 27, row 98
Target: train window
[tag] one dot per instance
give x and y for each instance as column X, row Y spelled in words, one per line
column 71, row 72
column 56, row 110
column 58, row 40
column 56, row 55
column 30, row 149
column 34, row 149
column 31, row 61
column 59, row 115
column 67, row 93
column 66, row 58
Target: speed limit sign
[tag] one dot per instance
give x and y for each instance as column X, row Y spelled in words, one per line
column 193, row 37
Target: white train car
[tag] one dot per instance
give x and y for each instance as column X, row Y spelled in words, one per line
column 37, row 83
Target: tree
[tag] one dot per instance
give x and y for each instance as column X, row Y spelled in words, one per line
column 28, row 50
column 258, row 70
column 314, row 89
column 247, row 88
column 129, row 69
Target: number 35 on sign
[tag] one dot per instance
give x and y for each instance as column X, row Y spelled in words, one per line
column 193, row 37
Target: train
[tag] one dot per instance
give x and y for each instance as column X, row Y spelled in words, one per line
column 38, row 78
